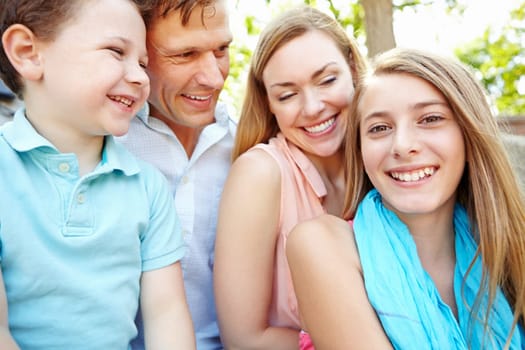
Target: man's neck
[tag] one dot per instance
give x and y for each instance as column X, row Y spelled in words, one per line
column 187, row 136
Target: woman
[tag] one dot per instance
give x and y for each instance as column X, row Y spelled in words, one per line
column 435, row 255
column 288, row 167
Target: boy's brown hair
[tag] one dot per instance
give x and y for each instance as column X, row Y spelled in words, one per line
column 45, row 18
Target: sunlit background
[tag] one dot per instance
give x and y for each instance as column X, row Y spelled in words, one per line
column 444, row 26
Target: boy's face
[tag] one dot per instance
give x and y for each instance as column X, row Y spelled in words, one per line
column 94, row 78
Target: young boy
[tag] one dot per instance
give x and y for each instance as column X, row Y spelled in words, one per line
column 83, row 225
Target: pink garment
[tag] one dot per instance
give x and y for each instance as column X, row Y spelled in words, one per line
column 305, row 342
column 302, row 190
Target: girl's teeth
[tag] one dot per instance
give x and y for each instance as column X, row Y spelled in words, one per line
column 413, row 175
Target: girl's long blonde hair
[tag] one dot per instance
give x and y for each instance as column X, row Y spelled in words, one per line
column 489, row 189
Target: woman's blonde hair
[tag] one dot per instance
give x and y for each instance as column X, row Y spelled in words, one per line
column 489, row 189
column 256, row 123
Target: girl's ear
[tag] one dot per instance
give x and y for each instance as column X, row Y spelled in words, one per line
column 20, row 46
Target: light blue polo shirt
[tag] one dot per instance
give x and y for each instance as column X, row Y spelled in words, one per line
column 72, row 248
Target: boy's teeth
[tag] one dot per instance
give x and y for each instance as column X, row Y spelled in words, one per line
column 123, row 100
column 320, row 127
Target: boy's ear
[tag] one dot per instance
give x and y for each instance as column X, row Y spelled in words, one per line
column 20, row 46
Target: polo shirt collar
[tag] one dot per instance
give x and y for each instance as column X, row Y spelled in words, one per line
column 23, row 137
column 116, row 157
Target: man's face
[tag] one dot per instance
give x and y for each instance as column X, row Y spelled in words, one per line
column 188, row 65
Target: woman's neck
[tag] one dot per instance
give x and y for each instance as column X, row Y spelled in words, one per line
column 331, row 171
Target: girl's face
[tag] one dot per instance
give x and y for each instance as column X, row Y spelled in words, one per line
column 309, row 85
column 412, row 146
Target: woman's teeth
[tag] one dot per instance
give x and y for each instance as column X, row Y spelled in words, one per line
column 320, row 127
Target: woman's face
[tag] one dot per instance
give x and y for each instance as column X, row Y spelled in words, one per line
column 309, row 85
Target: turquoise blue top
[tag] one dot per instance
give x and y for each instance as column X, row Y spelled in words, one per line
column 404, row 296
column 72, row 248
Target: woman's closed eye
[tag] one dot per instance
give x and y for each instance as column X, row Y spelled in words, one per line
column 328, row 80
column 285, row 96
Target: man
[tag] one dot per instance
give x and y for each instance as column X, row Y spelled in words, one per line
column 188, row 135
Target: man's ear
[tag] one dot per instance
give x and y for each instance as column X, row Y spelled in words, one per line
column 20, row 46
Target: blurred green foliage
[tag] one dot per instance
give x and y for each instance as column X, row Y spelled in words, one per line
column 498, row 57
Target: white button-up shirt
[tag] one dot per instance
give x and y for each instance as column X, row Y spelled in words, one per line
column 197, row 185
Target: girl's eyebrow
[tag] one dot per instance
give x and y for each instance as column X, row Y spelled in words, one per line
column 415, row 106
column 424, row 104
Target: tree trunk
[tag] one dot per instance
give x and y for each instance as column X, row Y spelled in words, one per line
column 379, row 26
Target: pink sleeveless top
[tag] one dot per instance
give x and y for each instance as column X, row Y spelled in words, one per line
column 301, row 192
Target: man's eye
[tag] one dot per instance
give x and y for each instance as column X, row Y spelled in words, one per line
column 223, row 50
column 182, row 57
column 186, row 54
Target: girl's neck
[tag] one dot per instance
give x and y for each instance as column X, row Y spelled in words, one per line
column 435, row 241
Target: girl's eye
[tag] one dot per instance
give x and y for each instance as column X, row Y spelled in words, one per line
column 377, row 129
column 431, row 119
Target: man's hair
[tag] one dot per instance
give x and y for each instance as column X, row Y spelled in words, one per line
column 162, row 8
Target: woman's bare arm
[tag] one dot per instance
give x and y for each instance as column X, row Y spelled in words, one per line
column 329, row 285
column 245, row 255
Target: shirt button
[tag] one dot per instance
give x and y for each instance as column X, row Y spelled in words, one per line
column 81, row 198
column 185, row 180
column 63, row 167
column 185, row 233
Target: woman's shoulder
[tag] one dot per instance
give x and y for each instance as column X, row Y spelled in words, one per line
column 325, row 226
column 254, row 173
column 257, row 162
column 325, row 235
